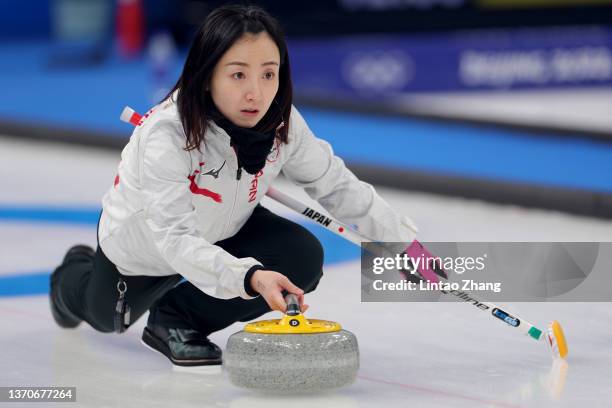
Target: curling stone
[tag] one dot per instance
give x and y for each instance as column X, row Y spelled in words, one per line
column 291, row 354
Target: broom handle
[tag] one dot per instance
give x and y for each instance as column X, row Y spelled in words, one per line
column 332, row 225
column 329, row 223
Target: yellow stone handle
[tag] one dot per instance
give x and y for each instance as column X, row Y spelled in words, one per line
column 293, row 322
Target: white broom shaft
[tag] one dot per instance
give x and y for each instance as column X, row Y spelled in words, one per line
column 347, row 233
column 327, row 222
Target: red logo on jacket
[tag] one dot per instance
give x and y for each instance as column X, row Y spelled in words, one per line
column 253, row 189
column 195, row 189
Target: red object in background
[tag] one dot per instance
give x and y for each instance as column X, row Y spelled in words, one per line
column 130, row 27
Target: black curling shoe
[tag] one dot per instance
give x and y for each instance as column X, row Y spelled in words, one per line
column 183, row 347
column 62, row 316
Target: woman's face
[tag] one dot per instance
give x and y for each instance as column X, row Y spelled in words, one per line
column 245, row 80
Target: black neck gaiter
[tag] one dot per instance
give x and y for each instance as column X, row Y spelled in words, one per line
column 252, row 147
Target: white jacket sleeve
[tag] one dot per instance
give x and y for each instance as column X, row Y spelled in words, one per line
column 170, row 215
column 313, row 166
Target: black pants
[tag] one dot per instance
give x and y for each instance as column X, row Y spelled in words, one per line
column 88, row 286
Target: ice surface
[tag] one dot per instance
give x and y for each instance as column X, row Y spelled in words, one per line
column 412, row 354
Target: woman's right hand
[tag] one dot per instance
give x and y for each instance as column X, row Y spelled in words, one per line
column 270, row 285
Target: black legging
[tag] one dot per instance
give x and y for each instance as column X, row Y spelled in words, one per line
column 88, row 286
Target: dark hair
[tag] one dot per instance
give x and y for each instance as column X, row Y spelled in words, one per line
column 221, row 28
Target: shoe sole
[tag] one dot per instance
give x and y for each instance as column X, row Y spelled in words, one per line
column 154, row 343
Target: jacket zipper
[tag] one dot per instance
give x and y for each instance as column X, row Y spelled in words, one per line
column 238, row 177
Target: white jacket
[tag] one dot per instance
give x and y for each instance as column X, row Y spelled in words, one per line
column 168, row 206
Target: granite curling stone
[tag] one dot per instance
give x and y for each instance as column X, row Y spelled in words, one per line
column 292, row 354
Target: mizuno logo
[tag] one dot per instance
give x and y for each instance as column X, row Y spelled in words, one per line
column 214, row 172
